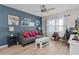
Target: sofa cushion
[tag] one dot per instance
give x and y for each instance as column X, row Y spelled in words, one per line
column 30, row 38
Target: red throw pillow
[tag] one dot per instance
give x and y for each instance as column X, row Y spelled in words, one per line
column 33, row 33
column 36, row 32
column 29, row 34
column 25, row 34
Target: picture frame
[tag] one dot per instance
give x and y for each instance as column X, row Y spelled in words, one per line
column 37, row 22
column 27, row 23
column 13, row 20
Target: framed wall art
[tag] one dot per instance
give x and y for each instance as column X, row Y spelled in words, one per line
column 37, row 22
column 27, row 22
column 13, row 20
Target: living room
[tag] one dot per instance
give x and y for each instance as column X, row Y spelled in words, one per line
column 39, row 29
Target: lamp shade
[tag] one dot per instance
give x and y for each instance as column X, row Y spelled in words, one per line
column 11, row 28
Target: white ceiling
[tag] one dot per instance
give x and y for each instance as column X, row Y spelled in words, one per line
column 30, row 8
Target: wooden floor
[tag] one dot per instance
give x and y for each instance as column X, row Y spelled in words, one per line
column 54, row 48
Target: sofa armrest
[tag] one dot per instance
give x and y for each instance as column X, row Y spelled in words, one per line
column 21, row 39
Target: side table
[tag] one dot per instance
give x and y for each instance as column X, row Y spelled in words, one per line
column 12, row 40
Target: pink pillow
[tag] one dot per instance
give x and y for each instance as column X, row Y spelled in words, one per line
column 36, row 32
column 33, row 33
column 25, row 34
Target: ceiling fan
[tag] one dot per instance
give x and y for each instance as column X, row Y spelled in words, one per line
column 43, row 9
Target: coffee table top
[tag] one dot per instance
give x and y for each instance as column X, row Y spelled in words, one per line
column 43, row 38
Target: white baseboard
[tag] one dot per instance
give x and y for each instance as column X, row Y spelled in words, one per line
column 3, row 46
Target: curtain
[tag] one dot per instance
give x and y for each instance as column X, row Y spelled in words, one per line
column 55, row 25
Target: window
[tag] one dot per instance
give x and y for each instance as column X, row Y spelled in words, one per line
column 55, row 25
column 50, row 26
column 59, row 25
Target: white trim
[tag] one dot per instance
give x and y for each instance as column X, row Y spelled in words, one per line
column 3, row 46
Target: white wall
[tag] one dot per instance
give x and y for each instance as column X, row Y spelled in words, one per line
column 44, row 25
column 69, row 21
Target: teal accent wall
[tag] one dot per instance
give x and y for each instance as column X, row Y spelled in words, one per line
column 4, row 31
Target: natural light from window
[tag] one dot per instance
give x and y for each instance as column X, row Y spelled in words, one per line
column 55, row 25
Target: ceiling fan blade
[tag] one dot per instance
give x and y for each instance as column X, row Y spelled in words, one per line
column 36, row 11
column 50, row 9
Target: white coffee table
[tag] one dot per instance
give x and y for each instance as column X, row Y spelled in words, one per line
column 42, row 41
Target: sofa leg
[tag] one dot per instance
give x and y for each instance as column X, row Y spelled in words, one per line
column 23, row 45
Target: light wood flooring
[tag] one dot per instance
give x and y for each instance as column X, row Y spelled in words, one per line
column 54, row 48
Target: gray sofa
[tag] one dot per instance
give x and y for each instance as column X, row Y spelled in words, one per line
column 23, row 41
